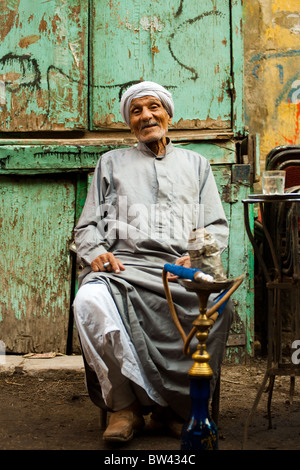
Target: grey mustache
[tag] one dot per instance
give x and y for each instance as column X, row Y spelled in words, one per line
column 149, row 124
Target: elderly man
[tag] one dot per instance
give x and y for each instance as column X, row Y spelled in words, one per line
column 140, row 209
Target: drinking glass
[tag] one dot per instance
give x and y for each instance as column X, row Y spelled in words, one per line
column 273, row 182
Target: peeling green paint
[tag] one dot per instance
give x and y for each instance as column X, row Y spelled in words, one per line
column 43, row 65
column 37, row 220
column 63, row 67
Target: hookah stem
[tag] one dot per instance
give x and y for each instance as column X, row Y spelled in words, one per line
column 236, row 284
column 171, row 305
column 212, row 311
column 187, row 339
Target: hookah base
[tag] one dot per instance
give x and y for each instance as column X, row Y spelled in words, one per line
column 200, row 432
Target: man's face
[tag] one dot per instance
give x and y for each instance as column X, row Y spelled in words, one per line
column 149, row 120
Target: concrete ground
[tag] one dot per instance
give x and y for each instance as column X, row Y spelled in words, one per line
column 41, row 365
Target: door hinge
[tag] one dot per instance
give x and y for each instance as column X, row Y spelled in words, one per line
column 247, row 151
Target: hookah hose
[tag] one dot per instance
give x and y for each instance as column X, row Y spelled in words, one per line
column 171, row 304
column 190, row 273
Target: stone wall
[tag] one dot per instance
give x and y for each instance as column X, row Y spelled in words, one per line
column 272, row 72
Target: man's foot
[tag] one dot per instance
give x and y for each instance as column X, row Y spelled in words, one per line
column 165, row 418
column 124, row 424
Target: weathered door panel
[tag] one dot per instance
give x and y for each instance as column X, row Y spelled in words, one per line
column 185, row 46
column 43, row 65
column 37, row 220
column 241, row 261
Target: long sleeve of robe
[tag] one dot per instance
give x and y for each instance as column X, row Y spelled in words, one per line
column 142, row 208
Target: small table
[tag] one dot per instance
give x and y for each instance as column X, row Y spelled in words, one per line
column 276, row 281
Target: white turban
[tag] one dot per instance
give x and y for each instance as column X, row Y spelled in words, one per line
column 145, row 89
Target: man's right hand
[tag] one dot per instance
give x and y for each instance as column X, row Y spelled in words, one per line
column 114, row 263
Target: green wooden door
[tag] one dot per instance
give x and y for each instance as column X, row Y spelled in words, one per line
column 37, row 220
column 43, row 65
column 185, row 46
column 63, row 66
column 234, row 184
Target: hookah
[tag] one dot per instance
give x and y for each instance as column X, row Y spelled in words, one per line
column 200, row 432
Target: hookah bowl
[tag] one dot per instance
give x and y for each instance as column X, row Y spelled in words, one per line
column 200, row 432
